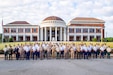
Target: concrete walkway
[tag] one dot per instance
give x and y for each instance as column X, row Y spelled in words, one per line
column 57, row 67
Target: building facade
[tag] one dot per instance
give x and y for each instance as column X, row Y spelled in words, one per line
column 54, row 28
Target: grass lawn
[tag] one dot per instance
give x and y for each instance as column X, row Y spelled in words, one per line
column 16, row 43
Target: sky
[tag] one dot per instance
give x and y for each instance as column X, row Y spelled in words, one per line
column 34, row 11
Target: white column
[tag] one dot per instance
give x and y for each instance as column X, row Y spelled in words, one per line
column 16, row 37
column 10, row 32
column 50, row 33
column 88, row 38
column 60, row 33
column 41, row 34
column 24, row 35
column 75, row 38
column 38, row 34
column 67, row 34
column 55, row 33
column 64, row 33
column 45, row 34
column 102, row 33
column 81, row 37
column 31, row 38
column 95, row 30
column 81, row 34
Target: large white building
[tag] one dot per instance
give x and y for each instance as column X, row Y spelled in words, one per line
column 55, row 28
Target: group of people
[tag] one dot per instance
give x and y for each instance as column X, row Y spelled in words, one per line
column 56, row 51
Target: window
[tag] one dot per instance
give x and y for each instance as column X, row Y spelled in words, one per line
column 34, row 30
column 78, row 30
column 91, row 30
column 71, row 30
column 98, row 30
column 27, row 30
column 20, row 30
column 6, row 30
column 98, row 38
column 13, row 30
column 71, row 38
column 85, row 30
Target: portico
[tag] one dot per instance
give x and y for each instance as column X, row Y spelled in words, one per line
column 53, row 34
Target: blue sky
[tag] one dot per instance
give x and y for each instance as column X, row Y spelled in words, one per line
column 34, row 11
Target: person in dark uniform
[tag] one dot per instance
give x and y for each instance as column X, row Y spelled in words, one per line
column 85, row 52
column 16, row 51
column 10, row 52
column 6, row 52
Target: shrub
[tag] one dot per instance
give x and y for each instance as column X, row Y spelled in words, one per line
column 10, row 39
column 4, row 40
column 94, row 39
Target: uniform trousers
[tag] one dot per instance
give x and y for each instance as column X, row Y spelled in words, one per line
column 37, row 54
column 85, row 55
column 34, row 55
column 27, row 55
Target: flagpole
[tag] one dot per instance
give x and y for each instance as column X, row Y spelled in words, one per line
column 2, row 29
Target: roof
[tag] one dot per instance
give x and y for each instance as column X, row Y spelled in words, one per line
column 87, row 18
column 53, row 18
column 19, row 22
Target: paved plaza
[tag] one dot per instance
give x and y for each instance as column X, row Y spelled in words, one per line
column 57, row 67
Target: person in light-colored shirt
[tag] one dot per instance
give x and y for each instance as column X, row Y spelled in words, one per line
column 6, row 52
column 94, row 51
column 34, row 51
column 102, row 51
column 27, row 50
column 108, row 52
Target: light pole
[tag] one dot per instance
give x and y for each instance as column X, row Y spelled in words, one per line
column 106, row 34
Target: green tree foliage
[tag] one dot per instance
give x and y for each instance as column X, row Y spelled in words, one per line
column 10, row 39
column 4, row 40
column 94, row 39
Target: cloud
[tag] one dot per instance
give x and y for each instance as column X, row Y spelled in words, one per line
column 34, row 11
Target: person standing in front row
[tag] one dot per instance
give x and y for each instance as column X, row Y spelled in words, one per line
column 27, row 50
column 41, row 52
column 72, row 52
column 34, row 52
column 16, row 51
column 6, row 52
column 10, row 52
column 95, row 51
column 108, row 52
column 61, row 52
column 85, row 52
column 102, row 51
column 57, row 52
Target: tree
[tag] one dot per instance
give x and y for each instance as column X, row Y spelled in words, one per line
column 10, row 39
column 4, row 40
column 94, row 39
